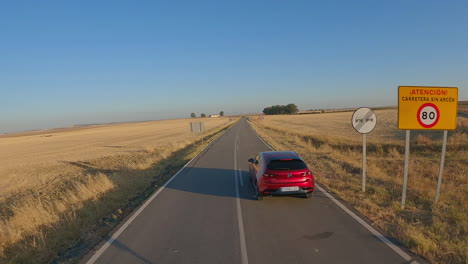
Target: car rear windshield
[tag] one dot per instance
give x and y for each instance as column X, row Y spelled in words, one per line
column 294, row 164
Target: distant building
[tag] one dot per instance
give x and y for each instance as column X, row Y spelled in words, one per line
column 213, row 115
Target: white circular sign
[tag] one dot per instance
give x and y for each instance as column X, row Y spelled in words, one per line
column 428, row 115
column 364, row 120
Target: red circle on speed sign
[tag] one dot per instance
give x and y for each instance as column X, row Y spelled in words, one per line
column 428, row 115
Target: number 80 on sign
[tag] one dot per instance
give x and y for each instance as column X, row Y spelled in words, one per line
column 428, row 115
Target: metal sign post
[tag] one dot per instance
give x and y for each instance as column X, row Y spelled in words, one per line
column 364, row 121
column 405, row 176
column 364, row 158
column 441, row 168
column 426, row 108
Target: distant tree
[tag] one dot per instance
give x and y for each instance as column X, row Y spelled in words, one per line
column 273, row 110
column 202, row 115
column 221, row 113
column 292, row 109
column 193, row 115
column 280, row 109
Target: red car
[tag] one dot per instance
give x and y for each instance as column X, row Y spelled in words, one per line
column 280, row 172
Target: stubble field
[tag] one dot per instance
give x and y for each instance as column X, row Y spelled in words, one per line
column 333, row 149
column 63, row 187
column 29, row 160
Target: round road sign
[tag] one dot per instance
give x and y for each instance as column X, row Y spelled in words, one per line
column 428, row 115
column 364, row 120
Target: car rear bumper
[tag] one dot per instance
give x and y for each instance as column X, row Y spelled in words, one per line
column 304, row 187
column 279, row 192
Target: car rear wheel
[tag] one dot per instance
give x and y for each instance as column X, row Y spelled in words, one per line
column 259, row 196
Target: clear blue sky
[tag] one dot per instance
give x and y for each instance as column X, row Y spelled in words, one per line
column 76, row 62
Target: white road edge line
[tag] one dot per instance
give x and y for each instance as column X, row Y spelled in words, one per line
column 255, row 132
column 109, row 242
column 243, row 247
column 376, row 233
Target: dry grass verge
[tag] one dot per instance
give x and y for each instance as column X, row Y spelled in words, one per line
column 59, row 219
column 435, row 231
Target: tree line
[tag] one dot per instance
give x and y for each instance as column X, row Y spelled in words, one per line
column 193, row 115
column 281, row 109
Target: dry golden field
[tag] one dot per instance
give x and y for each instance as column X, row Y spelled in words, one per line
column 65, row 186
column 333, row 149
column 27, row 161
column 337, row 126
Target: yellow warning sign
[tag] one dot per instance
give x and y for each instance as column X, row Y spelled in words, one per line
column 427, row 107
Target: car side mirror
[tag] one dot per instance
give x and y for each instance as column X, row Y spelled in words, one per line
column 251, row 160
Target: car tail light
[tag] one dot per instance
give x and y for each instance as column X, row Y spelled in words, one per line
column 307, row 173
column 268, row 175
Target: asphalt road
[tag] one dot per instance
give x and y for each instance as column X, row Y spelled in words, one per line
column 208, row 214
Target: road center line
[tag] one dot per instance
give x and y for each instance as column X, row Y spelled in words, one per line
column 243, row 247
column 239, row 172
column 240, row 177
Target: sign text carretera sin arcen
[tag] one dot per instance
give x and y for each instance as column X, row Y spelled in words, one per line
column 427, row 107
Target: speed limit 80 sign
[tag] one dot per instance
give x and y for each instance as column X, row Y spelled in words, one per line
column 427, row 107
column 428, row 115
